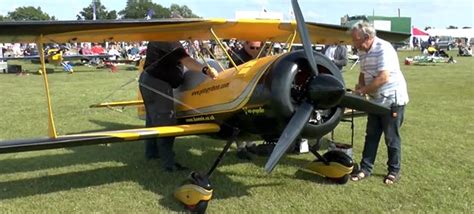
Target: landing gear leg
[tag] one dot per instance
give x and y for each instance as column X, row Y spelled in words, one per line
column 196, row 195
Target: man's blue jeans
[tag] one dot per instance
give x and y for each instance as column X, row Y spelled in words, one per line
column 390, row 126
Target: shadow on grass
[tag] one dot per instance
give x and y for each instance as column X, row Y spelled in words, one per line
column 125, row 162
column 129, row 164
column 302, row 175
column 110, row 126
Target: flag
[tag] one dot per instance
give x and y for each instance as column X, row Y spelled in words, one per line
column 93, row 10
column 149, row 14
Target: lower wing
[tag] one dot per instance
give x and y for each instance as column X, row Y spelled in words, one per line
column 106, row 137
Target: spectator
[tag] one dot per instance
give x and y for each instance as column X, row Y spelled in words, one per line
column 337, row 53
column 249, row 51
column 163, row 71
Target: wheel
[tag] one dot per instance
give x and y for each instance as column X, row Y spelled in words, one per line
column 199, row 208
column 339, row 157
column 341, row 180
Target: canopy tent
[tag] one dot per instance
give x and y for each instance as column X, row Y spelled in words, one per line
column 455, row 33
column 419, row 34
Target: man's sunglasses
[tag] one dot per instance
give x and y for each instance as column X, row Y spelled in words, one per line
column 254, row 48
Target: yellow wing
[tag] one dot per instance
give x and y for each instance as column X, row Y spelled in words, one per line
column 107, row 137
column 172, row 30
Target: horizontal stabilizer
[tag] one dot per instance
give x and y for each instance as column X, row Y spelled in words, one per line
column 357, row 102
column 106, row 137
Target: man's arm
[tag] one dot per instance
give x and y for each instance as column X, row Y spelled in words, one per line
column 378, row 81
column 360, row 83
column 195, row 66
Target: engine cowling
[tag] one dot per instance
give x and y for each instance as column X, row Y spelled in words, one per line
column 290, row 78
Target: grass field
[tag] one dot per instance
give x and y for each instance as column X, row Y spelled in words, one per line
column 437, row 149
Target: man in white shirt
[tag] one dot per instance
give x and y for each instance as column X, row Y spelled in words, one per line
column 381, row 79
column 330, row 51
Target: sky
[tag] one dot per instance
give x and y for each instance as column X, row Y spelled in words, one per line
column 434, row 13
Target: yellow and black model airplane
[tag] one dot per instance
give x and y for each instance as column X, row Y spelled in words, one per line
column 300, row 93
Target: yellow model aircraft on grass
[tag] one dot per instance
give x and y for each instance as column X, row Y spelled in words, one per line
column 299, row 93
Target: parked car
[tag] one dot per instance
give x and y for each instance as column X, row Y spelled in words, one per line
column 446, row 43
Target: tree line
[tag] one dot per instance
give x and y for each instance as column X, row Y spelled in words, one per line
column 134, row 9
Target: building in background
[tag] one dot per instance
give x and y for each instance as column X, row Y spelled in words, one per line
column 385, row 23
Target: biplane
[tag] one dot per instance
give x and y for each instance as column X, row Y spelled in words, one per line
column 300, row 93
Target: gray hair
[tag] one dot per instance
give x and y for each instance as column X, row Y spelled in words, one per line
column 364, row 28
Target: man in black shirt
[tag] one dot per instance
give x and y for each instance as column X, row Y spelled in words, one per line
column 163, row 71
column 248, row 52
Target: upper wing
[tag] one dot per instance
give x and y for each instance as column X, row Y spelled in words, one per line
column 106, row 137
column 171, row 30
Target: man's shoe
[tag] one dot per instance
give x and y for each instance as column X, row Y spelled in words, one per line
column 176, row 167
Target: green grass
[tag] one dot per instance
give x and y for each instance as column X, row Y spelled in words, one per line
column 437, row 154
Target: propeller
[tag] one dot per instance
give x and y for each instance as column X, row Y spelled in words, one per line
column 357, row 102
column 304, row 36
column 321, row 88
column 324, row 91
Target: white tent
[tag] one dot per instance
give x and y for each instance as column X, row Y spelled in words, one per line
column 455, row 33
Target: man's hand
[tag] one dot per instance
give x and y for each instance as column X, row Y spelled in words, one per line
column 212, row 73
column 358, row 90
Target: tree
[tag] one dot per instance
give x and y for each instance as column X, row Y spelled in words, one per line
column 452, row 27
column 100, row 12
column 138, row 9
column 184, row 11
column 29, row 13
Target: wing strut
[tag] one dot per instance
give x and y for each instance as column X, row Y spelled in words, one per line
column 223, row 48
column 51, row 127
column 292, row 41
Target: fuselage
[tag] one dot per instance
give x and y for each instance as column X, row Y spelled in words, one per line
column 257, row 97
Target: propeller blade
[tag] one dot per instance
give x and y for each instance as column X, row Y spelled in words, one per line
column 357, row 102
column 292, row 130
column 304, row 36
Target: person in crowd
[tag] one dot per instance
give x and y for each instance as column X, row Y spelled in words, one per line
column 338, row 54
